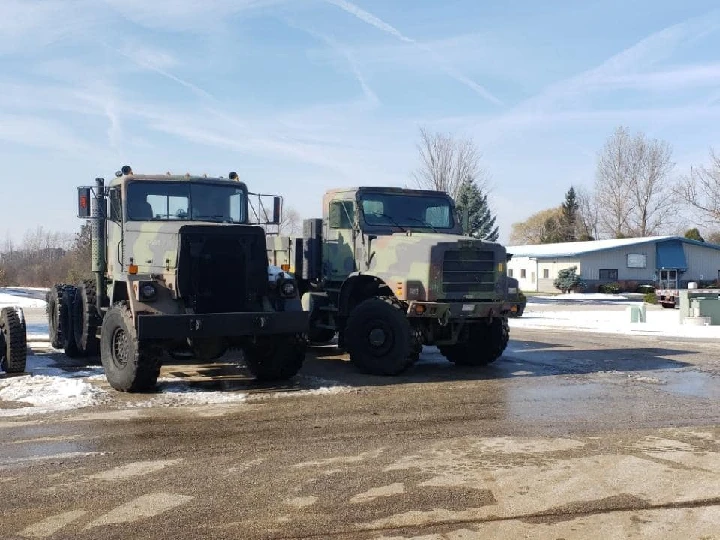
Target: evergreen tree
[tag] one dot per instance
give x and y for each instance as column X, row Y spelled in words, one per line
column 568, row 219
column 694, row 234
column 481, row 222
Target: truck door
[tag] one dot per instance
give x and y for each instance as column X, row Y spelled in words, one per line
column 339, row 244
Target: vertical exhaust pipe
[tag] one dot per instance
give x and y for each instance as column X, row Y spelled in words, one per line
column 99, row 255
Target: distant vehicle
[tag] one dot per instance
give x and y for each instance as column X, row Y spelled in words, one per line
column 178, row 268
column 516, row 298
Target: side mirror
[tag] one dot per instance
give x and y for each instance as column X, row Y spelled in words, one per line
column 84, row 202
column 115, row 206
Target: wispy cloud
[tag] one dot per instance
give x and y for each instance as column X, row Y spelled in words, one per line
column 39, row 132
column 345, row 52
column 156, row 61
column 378, row 23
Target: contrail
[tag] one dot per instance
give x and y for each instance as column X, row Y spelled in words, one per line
column 372, row 20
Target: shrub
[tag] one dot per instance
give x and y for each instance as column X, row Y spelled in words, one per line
column 568, row 280
column 609, row 288
column 650, row 298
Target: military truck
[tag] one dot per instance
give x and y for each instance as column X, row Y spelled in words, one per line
column 179, row 268
column 389, row 270
column 13, row 340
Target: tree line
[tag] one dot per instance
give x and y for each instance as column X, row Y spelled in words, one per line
column 636, row 193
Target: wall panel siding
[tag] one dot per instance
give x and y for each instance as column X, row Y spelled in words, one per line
column 701, row 261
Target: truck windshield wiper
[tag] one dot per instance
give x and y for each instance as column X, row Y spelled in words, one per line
column 403, row 229
column 425, row 223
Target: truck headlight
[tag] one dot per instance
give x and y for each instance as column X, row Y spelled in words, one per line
column 148, row 291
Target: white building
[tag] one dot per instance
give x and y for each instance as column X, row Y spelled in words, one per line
column 665, row 261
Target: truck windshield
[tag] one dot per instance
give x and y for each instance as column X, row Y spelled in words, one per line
column 189, row 201
column 407, row 211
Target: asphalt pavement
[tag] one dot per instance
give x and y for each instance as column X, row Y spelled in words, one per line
column 568, row 435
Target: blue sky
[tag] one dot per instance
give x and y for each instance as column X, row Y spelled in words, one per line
column 300, row 96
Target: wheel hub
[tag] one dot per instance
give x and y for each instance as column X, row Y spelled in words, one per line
column 377, row 337
column 120, row 348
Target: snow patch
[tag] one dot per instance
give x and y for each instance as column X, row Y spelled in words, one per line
column 581, row 296
column 665, row 323
column 24, row 297
column 47, row 394
column 175, row 392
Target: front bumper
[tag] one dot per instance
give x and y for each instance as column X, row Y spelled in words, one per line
column 446, row 311
column 221, row 324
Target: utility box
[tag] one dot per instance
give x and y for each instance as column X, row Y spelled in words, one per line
column 637, row 314
column 705, row 303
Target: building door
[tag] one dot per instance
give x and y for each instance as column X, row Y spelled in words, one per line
column 668, row 279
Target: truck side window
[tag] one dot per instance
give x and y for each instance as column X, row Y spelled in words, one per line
column 341, row 214
column 115, row 205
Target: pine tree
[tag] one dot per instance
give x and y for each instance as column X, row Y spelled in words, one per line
column 481, row 222
column 568, row 220
column 694, row 234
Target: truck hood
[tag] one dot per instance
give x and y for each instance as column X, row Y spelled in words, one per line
column 430, row 266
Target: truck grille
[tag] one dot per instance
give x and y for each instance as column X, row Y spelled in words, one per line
column 468, row 271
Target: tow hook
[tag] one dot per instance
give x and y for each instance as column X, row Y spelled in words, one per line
column 444, row 319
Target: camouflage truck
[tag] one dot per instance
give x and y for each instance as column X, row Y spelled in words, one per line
column 178, row 269
column 389, row 270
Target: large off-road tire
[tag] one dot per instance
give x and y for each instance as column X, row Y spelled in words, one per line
column 275, row 358
column 85, row 319
column 13, row 342
column 484, row 345
column 209, row 349
column 320, row 336
column 54, row 312
column 66, row 323
column 377, row 336
column 130, row 366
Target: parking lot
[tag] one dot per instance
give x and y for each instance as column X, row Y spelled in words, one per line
column 569, row 433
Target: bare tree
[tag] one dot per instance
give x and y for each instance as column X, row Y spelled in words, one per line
column 534, row 229
column 447, row 162
column 632, row 187
column 701, row 190
column 291, row 222
column 588, row 222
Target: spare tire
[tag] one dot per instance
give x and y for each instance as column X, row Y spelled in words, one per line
column 13, row 342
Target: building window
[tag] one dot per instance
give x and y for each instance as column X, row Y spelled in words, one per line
column 546, row 274
column 523, row 275
column 510, row 272
column 608, row 274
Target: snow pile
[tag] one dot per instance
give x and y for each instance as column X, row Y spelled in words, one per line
column 24, row 297
column 664, row 323
column 322, row 387
column 580, row 296
column 175, row 391
column 48, row 394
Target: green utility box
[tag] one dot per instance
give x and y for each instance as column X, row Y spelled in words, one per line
column 700, row 303
column 637, row 314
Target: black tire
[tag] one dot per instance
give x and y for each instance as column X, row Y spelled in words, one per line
column 13, row 342
column 377, row 336
column 484, row 345
column 86, row 319
column 275, row 358
column 207, row 350
column 320, row 336
column 130, row 366
column 53, row 310
column 66, row 323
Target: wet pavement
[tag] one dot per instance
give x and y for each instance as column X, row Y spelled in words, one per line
column 568, row 435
